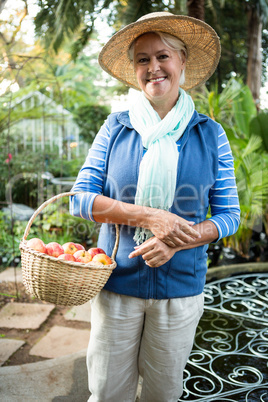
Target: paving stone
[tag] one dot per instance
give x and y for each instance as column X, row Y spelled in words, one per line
column 8, row 275
column 8, row 347
column 79, row 313
column 61, row 341
column 57, row 380
column 24, row 315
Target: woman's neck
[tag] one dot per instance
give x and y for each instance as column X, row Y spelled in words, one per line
column 163, row 108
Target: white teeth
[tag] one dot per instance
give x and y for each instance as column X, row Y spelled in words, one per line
column 156, row 79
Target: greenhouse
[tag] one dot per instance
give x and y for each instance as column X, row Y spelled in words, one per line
column 46, row 127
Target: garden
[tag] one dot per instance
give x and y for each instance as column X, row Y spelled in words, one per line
column 52, row 105
column 55, row 97
column 29, row 177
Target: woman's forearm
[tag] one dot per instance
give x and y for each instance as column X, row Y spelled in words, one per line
column 108, row 210
column 170, row 228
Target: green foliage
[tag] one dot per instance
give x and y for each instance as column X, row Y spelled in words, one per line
column 56, row 224
column 126, row 12
column 21, row 175
column 10, row 236
column 76, row 82
column 244, row 108
column 230, row 20
column 252, row 185
column 234, row 108
column 62, row 167
column 259, row 126
column 53, row 224
column 262, row 7
column 69, row 85
column 58, row 20
column 218, row 105
column 89, row 118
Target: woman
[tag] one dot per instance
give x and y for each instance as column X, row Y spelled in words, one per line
column 155, row 170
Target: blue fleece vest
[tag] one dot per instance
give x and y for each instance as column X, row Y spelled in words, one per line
column 184, row 275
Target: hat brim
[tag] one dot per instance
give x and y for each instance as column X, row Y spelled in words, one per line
column 202, row 43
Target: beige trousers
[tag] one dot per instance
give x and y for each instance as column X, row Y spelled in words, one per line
column 132, row 337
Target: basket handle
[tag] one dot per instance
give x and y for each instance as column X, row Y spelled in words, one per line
column 55, row 198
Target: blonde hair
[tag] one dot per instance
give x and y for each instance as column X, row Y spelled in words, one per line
column 172, row 42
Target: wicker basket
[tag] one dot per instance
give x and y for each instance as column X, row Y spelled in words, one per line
column 61, row 282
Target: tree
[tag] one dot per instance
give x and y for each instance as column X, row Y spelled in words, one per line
column 240, row 26
column 257, row 15
column 10, row 29
column 89, row 118
column 60, row 20
column 234, row 20
column 230, row 23
column 196, row 9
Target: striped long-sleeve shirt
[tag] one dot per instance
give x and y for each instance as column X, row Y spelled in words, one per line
column 223, row 197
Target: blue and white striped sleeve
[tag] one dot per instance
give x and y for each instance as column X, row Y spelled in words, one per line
column 223, row 197
column 91, row 176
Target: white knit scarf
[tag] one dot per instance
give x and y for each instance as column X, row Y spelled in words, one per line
column 158, row 169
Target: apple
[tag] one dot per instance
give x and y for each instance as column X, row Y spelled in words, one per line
column 82, row 256
column 79, row 246
column 97, row 263
column 37, row 244
column 69, row 248
column 95, row 250
column 103, row 258
column 66, row 257
column 54, row 249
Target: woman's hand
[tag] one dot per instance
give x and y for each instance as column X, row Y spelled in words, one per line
column 154, row 252
column 166, row 226
column 172, row 229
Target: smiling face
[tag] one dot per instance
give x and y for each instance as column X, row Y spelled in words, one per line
column 158, row 69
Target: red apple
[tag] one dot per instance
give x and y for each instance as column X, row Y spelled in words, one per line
column 79, row 246
column 102, row 258
column 82, row 256
column 37, row 244
column 67, row 257
column 95, row 250
column 54, row 249
column 69, row 248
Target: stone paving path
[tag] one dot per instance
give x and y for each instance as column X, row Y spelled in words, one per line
column 8, row 347
column 24, row 315
column 60, row 341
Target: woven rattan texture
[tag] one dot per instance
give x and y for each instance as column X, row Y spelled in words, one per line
column 61, row 282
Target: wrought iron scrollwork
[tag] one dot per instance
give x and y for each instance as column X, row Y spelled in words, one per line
column 229, row 360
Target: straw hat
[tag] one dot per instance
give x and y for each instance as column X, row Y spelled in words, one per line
column 202, row 43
